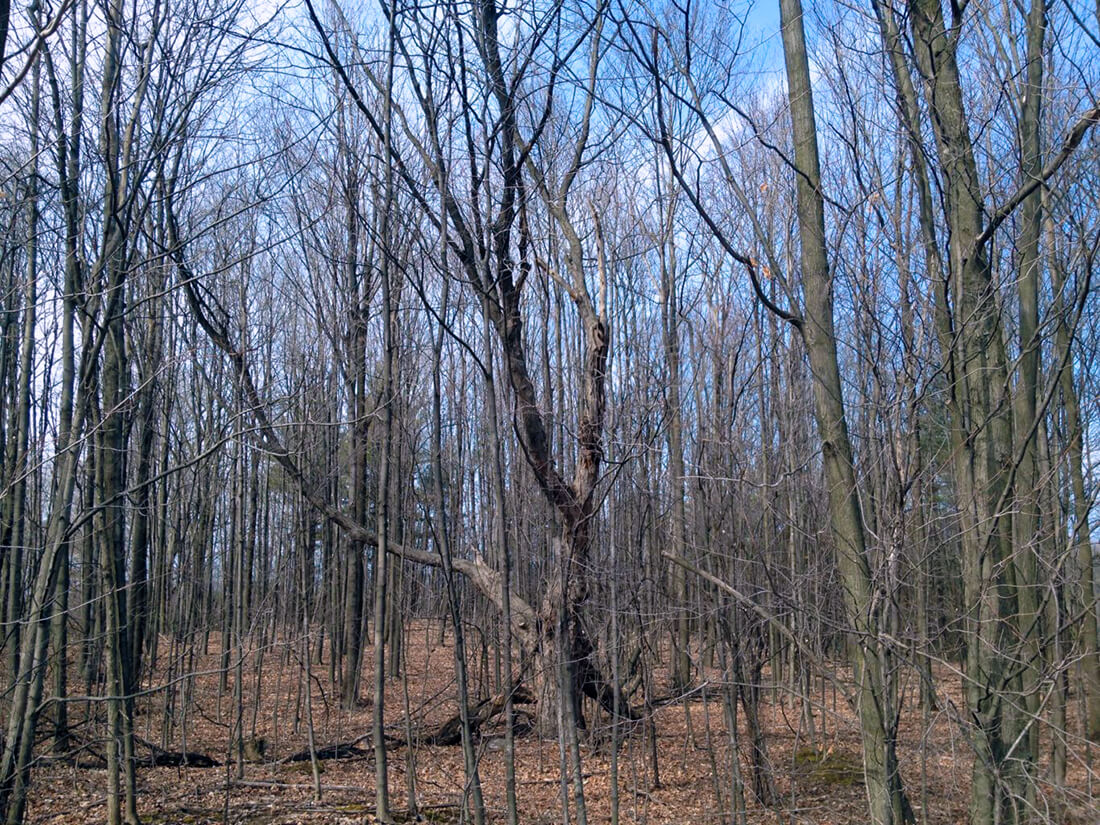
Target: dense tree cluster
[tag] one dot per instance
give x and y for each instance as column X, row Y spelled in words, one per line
column 701, row 336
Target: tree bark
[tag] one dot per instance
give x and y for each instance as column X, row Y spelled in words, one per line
column 888, row 803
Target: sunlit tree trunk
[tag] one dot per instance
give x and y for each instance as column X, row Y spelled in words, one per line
column 877, row 719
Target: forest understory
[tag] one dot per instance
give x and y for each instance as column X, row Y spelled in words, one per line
column 735, row 361
column 817, row 776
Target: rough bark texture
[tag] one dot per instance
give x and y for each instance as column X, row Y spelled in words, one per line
column 981, row 429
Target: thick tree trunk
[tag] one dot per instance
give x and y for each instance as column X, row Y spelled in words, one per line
column 888, row 803
column 357, row 293
column 981, row 431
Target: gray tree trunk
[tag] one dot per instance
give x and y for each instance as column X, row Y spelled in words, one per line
column 888, row 804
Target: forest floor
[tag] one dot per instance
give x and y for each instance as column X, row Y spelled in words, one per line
column 818, row 781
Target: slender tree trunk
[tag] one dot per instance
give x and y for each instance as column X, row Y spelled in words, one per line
column 442, row 536
column 1022, row 721
column 112, row 441
column 18, row 464
column 381, row 775
column 681, row 665
column 1079, row 528
column 360, row 427
column 504, row 543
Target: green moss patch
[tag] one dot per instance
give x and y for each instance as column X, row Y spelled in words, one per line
column 830, row 767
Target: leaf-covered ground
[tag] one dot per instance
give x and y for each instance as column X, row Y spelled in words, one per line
column 817, row 781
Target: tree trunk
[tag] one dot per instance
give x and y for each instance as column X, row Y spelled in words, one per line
column 888, row 804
